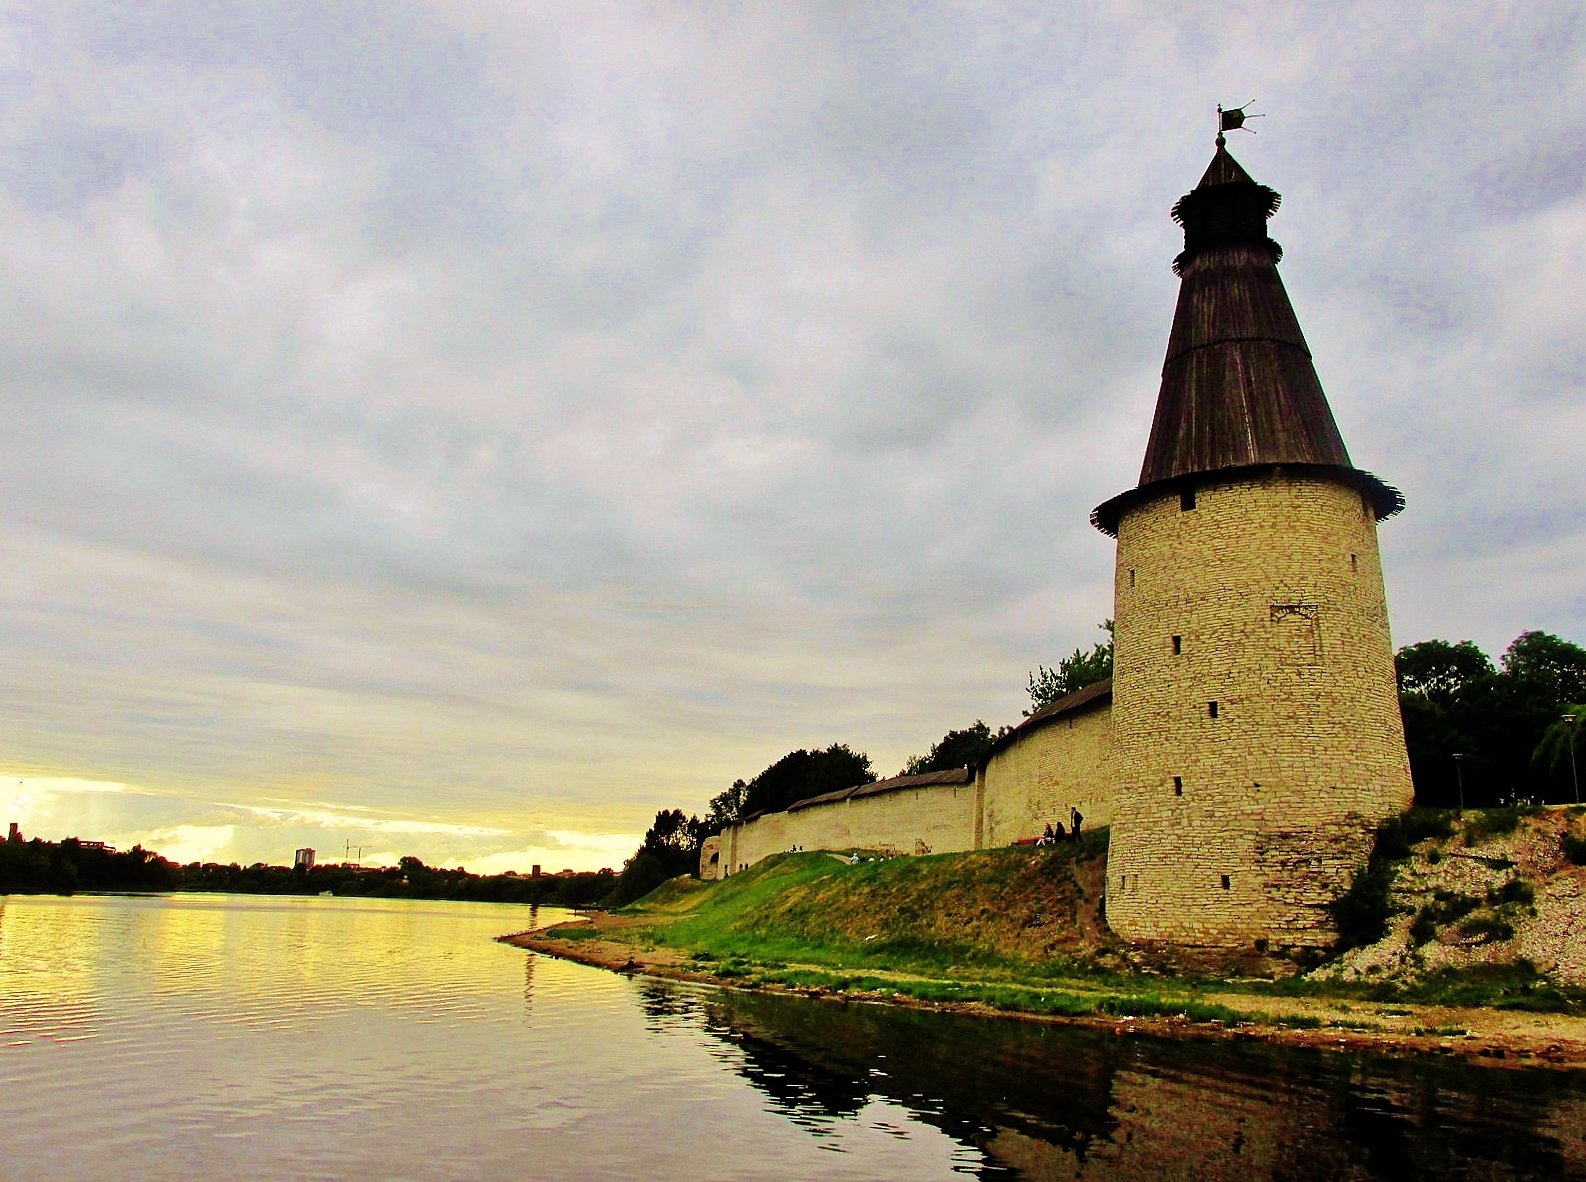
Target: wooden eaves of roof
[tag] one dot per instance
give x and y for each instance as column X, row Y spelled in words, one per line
column 957, row 775
column 1090, row 697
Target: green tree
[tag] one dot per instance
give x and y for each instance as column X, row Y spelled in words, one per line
column 1438, row 670
column 962, row 748
column 1557, row 758
column 640, row 875
column 673, row 841
column 1074, row 672
column 1498, row 721
column 726, row 808
column 801, row 774
column 1555, row 668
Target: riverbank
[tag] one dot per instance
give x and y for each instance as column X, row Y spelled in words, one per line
column 1022, row 932
column 1513, row 1038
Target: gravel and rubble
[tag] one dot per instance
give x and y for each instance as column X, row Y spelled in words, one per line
column 1542, row 922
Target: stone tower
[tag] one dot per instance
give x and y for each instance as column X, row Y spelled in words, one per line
column 1257, row 733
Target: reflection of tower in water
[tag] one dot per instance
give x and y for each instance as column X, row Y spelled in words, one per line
column 1052, row 1102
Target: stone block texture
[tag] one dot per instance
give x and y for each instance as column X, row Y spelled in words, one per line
column 1037, row 779
column 937, row 819
column 1256, row 732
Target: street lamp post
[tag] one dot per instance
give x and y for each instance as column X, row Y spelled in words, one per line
column 1572, row 723
column 1459, row 778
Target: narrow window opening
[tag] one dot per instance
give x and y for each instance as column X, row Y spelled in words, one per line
column 1131, row 576
column 1123, row 881
column 1211, row 709
column 1186, row 499
column 1354, row 562
column 1178, row 645
column 1226, row 883
column 1178, row 785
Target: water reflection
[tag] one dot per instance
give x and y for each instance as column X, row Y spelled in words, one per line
column 374, row 1039
column 1050, row 1102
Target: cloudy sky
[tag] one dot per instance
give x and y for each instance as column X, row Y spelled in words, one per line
column 462, row 429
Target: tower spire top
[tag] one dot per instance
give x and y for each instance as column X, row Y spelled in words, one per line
column 1239, row 390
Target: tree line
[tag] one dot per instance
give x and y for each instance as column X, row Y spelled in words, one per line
column 1482, row 733
column 69, row 866
column 1493, row 734
column 1479, row 733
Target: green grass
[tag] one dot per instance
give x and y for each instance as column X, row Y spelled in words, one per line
column 1019, row 998
column 577, row 932
column 1516, row 986
column 1484, row 824
column 985, row 928
column 814, row 909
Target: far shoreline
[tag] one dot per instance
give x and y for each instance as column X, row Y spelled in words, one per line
column 1489, row 1037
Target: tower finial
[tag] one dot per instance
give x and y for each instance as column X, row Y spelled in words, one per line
column 1232, row 120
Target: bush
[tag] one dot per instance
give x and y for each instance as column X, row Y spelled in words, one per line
column 1445, row 907
column 1487, row 928
column 1361, row 913
column 1490, row 823
column 1398, row 835
column 1575, row 849
column 1516, row 890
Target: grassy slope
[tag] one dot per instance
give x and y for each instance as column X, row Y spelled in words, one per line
column 1018, row 909
column 1013, row 928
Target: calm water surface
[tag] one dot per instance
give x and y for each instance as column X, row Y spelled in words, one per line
column 261, row 1038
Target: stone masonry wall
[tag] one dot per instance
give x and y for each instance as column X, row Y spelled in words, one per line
column 936, row 819
column 710, row 855
column 1245, row 818
column 1038, row 778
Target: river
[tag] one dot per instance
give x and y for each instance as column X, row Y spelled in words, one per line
column 217, row 1036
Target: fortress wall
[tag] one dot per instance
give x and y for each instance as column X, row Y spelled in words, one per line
column 1040, row 776
column 711, row 866
column 1274, row 586
column 935, row 818
column 760, row 838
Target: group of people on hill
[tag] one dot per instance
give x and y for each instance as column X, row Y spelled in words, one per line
column 1056, row 833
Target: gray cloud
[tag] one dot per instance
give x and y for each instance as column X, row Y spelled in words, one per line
column 528, row 418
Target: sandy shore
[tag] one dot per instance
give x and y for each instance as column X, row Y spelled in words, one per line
column 1504, row 1038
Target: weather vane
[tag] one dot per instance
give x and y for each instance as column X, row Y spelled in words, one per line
column 1232, row 120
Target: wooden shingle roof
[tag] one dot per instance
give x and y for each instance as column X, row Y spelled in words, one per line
column 1239, row 391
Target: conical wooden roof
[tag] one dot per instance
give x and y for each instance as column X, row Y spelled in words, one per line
column 1238, row 390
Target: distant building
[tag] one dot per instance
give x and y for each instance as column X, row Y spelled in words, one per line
column 303, row 859
column 535, row 873
column 16, row 832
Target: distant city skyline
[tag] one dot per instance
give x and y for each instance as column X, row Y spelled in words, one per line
column 463, row 431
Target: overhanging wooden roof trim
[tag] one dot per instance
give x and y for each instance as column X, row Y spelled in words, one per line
column 1092, row 696
column 957, row 775
column 1384, row 498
